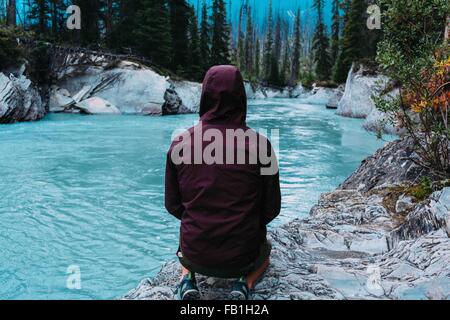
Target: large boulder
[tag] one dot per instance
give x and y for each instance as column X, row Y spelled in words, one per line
column 173, row 103
column 297, row 91
column 357, row 101
column 318, row 96
column 131, row 87
column 19, row 100
column 60, row 100
column 128, row 89
column 96, row 105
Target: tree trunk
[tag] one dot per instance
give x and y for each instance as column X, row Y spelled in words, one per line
column 11, row 13
column 447, row 29
column 54, row 17
column 109, row 18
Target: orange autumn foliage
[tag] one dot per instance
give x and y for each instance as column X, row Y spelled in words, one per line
column 432, row 94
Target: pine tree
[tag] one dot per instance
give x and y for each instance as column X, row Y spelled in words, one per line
column 285, row 66
column 268, row 46
column 127, row 24
column 239, row 59
column 205, row 39
column 295, row 70
column 153, row 31
column 335, row 31
column 248, row 52
column 59, row 19
column 276, row 55
column 285, row 61
column 11, row 11
column 90, row 30
column 220, row 34
column 321, row 45
column 39, row 12
column 352, row 40
column 195, row 66
column 179, row 24
column 109, row 13
column 257, row 58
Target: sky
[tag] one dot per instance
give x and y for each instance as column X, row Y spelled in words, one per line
column 285, row 8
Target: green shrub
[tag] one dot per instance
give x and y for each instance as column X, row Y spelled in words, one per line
column 10, row 52
column 414, row 55
column 423, row 190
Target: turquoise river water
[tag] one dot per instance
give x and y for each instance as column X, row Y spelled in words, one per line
column 87, row 191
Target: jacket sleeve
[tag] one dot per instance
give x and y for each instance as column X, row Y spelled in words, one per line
column 172, row 198
column 271, row 206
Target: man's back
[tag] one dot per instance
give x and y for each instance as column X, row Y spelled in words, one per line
column 214, row 180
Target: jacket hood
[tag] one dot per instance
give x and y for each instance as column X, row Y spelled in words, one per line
column 223, row 100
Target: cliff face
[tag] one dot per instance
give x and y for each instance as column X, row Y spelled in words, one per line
column 360, row 242
column 19, row 100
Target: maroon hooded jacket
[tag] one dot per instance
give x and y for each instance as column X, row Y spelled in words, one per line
column 223, row 208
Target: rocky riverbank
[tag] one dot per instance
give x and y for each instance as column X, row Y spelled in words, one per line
column 369, row 239
column 97, row 83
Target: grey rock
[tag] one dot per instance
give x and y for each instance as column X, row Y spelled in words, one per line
column 336, row 96
column 151, row 109
column 19, row 100
column 362, row 84
column 84, row 93
column 129, row 86
column 430, row 215
column 318, row 96
column 404, row 204
column 60, row 100
column 297, row 91
column 96, row 105
column 389, row 166
column 172, row 104
column 441, row 208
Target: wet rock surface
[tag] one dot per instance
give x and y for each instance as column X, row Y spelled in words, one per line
column 350, row 247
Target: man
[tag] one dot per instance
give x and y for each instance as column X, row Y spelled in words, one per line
column 224, row 203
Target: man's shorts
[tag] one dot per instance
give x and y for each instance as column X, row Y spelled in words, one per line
column 264, row 253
